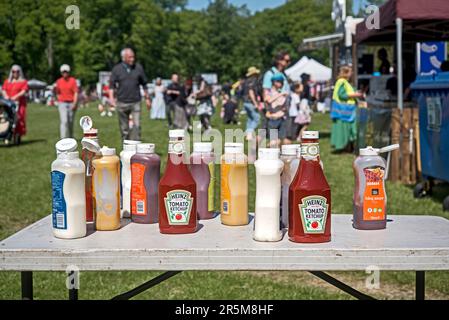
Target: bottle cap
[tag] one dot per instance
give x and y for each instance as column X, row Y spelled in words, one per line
column 269, row 153
column 145, row 148
column 389, row 148
column 86, row 123
column 66, row 145
column 133, row 142
column 106, row 151
column 233, row 147
column 290, row 149
column 310, row 135
column 369, row 151
column 91, row 145
column 130, row 147
column 178, row 133
column 202, row 147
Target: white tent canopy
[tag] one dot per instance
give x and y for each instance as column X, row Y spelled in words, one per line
column 316, row 70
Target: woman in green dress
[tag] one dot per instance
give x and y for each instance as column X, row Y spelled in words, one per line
column 343, row 112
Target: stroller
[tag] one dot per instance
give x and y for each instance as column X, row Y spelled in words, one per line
column 8, row 122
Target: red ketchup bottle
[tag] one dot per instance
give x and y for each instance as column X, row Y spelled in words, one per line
column 309, row 196
column 177, row 190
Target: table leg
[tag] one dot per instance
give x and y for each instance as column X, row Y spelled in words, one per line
column 72, row 281
column 420, row 282
column 26, row 278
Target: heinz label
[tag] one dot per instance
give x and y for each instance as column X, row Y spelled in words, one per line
column 313, row 211
column 178, row 205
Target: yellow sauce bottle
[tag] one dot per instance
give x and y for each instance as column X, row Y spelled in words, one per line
column 106, row 190
column 234, row 186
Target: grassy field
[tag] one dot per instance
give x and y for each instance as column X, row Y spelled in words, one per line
column 26, row 197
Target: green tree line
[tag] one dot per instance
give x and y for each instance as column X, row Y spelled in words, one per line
column 223, row 38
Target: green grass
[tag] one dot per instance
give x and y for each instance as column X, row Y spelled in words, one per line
column 26, row 197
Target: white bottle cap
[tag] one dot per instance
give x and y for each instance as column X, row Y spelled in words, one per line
column 106, row 151
column 202, row 147
column 310, row 135
column 369, row 151
column 233, row 147
column 130, row 147
column 145, row 148
column 86, row 123
column 91, row 145
column 133, row 142
column 269, row 153
column 178, row 133
column 66, row 145
column 290, row 149
column 389, row 148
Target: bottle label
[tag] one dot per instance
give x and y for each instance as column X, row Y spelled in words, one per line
column 176, row 147
column 225, row 192
column 211, row 190
column 59, row 207
column 310, row 151
column 374, row 195
column 138, row 191
column 178, row 205
column 313, row 211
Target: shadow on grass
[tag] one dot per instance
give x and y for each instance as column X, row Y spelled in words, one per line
column 23, row 143
column 439, row 191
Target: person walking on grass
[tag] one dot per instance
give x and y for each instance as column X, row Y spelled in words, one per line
column 66, row 91
column 172, row 95
column 250, row 101
column 158, row 107
column 126, row 79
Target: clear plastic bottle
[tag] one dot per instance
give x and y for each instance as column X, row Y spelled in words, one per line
column 129, row 149
column 234, row 186
column 145, row 174
column 268, row 195
column 106, row 190
column 68, row 196
column 370, row 198
column 202, row 168
column 290, row 157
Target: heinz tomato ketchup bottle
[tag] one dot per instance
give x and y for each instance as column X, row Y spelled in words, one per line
column 177, row 190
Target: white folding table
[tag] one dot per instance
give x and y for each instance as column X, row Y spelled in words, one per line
column 410, row 243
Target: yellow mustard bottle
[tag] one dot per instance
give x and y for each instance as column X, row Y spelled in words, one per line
column 234, row 186
column 106, row 190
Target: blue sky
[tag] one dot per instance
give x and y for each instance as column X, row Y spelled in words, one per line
column 253, row 5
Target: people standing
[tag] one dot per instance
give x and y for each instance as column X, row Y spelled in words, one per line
column 15, row 88
column 158, row 105
column 105, row 106
column 250, row 101
column 172, row 93
column 66, row 91
column 276, row 110
column 293, row 127
column 205, row 107
column 126, row 79
column 343, row 112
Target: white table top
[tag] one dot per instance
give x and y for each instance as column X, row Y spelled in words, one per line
column 408, row 243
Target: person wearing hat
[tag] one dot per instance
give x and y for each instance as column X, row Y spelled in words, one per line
column 66, row 91
column 276, row 110
column 251, row 101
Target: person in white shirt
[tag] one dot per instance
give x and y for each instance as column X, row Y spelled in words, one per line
column 293, row 128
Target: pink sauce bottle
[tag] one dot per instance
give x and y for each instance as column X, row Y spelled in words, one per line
column 145, row 173
column 202, row 169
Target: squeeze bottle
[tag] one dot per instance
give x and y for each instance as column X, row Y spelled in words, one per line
column 177, row 190
column 202, row 168
column 106, row 190
column 370, row 198
column 68, row 198
column 129, row 149
column 268, row 195
column 145, row 173
column 234, row 185
column 290, row 154
column 309, row 196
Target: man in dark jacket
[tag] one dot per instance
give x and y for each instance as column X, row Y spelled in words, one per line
column 126, row 79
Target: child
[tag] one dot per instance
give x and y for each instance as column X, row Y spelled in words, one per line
column 293, row 128
column 229, row 110
column 276, row 109
column 304, row 117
